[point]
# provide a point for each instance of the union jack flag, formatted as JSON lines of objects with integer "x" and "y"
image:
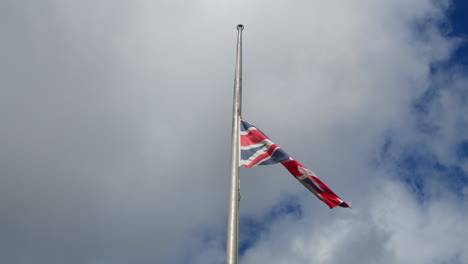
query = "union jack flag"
{"x": 257, "y": 149}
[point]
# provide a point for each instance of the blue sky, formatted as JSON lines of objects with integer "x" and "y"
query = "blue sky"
{"x": 458, "y": 22}
{"x": 413, "y": 162}
{"x": 115, "y": 130}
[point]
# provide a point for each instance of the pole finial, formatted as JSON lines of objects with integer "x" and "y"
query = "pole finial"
{"x": 240, "y": 27}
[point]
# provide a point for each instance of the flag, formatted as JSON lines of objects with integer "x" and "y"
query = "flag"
{"x": 257, "y": 149}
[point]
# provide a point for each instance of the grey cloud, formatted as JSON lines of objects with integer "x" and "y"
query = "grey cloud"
{"x": 115, "y": 119}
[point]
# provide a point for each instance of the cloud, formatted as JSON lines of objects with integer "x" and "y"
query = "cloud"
{"x": 116, "y": 127}
{"x": 394, "y": 228}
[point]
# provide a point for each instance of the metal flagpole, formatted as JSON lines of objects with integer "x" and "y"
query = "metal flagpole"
{"x": 232, "y": 242}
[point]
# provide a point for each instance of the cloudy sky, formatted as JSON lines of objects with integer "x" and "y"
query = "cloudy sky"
{"x": 116, "y": 116}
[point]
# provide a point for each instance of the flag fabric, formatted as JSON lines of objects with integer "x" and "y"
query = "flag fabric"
{"x": 257, "y": 149}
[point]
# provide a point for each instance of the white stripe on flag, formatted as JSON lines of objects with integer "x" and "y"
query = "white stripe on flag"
{"x": 247, "y": 131}
{"x": 265, "y": 142}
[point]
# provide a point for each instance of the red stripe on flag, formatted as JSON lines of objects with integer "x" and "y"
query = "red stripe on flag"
{"x": 252, "y": 138}
{"x": 324, "y": 193}
{"x": 263, "y": 156}
{"x": 293, "y": 167}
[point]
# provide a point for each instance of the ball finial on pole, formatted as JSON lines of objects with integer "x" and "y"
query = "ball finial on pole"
{"x": 240, "y": 27}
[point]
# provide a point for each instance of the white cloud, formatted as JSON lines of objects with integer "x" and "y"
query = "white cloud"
{"x": 392, "y": 228}
{"x": 116, "y": 122}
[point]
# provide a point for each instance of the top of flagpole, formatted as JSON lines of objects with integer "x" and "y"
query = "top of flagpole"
{"x": 238, "y": 73}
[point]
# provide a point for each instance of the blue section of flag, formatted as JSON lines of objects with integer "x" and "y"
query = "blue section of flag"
{"x": 245, "y": 125}
{"x": 247, "y": 153}
{"x": 278, "y": 156}
{"x": 257, "y": 148}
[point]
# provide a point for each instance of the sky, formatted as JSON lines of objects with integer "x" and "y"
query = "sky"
{"x": 115, "y": 122}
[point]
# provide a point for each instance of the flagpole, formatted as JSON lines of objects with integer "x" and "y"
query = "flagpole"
{"x": 232, "y": 242}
